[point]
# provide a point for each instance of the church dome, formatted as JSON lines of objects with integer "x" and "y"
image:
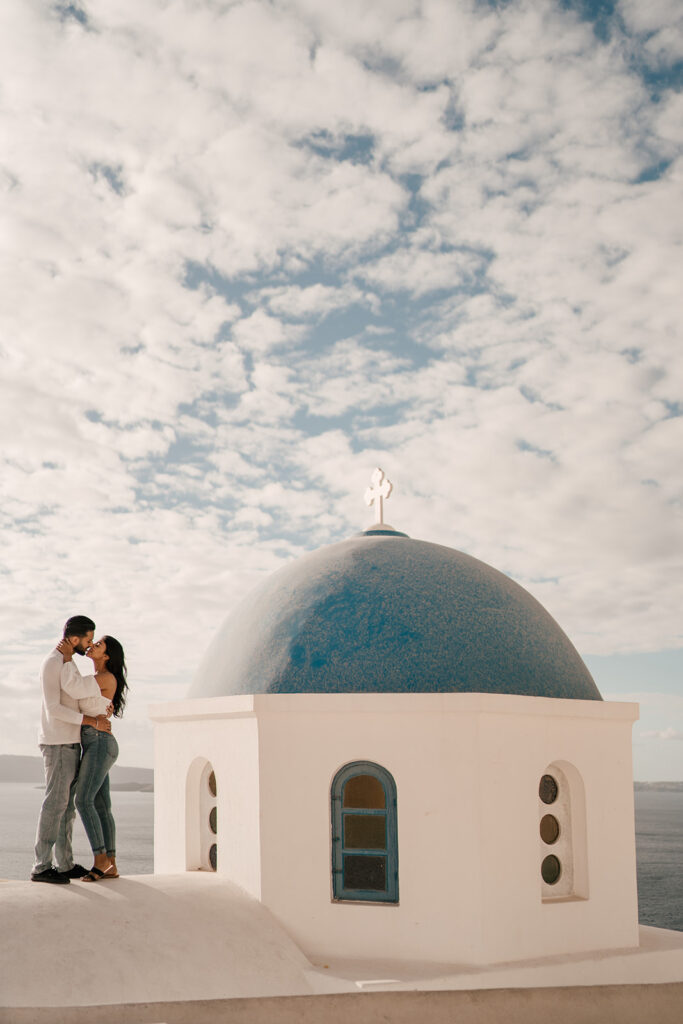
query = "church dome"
{"x": 383, "y": 613}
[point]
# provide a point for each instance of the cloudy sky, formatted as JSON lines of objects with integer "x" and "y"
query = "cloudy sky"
{"x": 252, "y": 249}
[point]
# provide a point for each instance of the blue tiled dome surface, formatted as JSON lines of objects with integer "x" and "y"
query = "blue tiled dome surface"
{"x": 388, "y": 614}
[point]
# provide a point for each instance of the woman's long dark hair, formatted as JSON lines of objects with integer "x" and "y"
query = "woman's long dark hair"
{"x": 116, "y": 664}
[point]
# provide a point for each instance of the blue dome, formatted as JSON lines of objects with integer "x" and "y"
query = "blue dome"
{"x": 382, "y": 613}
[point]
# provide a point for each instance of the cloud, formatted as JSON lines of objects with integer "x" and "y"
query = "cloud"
{"x": 252, "y": 250}
{"x": 419, "y": 272}
{"x": 662, "y": 734}
{"x": 315, "y": 301}
{"x": 259, "y": 333}
{"x": 660, "y": 25}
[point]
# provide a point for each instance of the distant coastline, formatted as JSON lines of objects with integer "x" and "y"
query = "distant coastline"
{"x": 121, "y": 787}
{"x": 22, "y": 768}
{"x": 668, "y": 787}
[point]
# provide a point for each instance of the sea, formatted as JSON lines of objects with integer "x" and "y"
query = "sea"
{"x": 659, "y": 843}
{"x": 20, "y": 804}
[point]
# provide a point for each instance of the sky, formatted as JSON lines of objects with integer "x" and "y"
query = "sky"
{"x": 251, "y": 250}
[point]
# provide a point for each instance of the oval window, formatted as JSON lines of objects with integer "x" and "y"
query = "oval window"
{"x": 549, "y": 828}
{"x": 551, "y": 870}
{"x": 547, "y": 789}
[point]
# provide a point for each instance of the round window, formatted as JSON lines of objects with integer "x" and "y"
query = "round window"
{"x": 213, "y": 820}
{"x": 212, "y": 783}
{"x": 547, "y": 789}
{"x": 550, "y": 829}
{"x": 551, "y": 869}
{"x": 213, "y": 857}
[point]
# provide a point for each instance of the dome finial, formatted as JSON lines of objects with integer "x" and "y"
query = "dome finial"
{"x": 375, "y": 495}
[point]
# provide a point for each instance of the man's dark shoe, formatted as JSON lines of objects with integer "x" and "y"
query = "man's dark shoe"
{"x": 50, "y": 875}
{"x": 77, "y": 871}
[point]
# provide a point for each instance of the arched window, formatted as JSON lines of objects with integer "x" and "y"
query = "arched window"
{"x": 201, "y": 824}
{"x": 562, "y": 833}
{"x": 364, "y": 834}
{"x": 210, "y": 818}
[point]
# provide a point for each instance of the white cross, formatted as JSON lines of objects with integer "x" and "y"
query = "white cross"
{"x": 375, "y": 495}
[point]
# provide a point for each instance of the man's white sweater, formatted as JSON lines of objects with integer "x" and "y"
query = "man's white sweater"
{"x": 60, "y": 719}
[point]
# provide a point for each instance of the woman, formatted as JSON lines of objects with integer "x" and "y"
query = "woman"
{"x": 100, "y": 750}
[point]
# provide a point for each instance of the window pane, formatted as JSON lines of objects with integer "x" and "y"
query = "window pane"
{"x": 212, "y": 783}
{"x": 365, "y": 872}
{"x": 547, "y": 789}
{"x": 213, "y": 820}
{"x": 365, "y": 831}
{"x": 213, "y": 857}
{"x": 364, "y": 791}
{"x": 551, "y": 870}
{"x": 550, "y": 828}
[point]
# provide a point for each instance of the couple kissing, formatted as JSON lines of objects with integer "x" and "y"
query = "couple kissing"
{"x": 78, "y": 750}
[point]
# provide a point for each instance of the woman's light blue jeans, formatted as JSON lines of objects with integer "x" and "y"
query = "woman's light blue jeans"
{"x": 100, "y": 751}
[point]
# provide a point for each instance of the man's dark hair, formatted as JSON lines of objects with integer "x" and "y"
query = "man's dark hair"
{"x": 78, "y": 625}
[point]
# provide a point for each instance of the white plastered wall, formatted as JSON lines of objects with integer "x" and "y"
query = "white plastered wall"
{"x": 592, "y": 740}
{"x": 467, "y": 768}
{"x": 303, "y": 745}
{"x": 188, "y": 735}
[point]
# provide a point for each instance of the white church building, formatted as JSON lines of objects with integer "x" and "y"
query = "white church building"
{"x": 398, "y": 752}
{"x": 392, "y": 772}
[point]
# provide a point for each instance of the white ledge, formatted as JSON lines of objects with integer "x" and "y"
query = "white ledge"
{"x": 248, "y": 705}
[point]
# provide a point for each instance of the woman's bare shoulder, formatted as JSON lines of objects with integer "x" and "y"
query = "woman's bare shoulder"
{"x": 107, "y": 683}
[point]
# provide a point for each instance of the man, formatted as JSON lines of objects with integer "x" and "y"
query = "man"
{"x": 60, "y": 745}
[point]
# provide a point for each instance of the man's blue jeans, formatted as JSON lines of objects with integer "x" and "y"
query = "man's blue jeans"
{"x": 56, "y": 820}
{"x": 100, "y": 750}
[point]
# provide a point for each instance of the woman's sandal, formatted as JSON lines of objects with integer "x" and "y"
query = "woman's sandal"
{"x": 95, "y": 875}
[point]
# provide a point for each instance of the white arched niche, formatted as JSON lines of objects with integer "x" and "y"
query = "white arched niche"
{"x": 201, "y": 825}
{"x": 563, "y": 862}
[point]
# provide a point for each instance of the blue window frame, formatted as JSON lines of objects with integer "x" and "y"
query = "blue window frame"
{"x": 364, "y": 834}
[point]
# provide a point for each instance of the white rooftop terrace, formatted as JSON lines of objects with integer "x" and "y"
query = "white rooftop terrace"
{"x": 195, "y": 937}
